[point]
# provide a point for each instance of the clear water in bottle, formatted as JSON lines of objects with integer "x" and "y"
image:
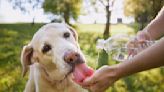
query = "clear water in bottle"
{"x": 118, "y": 47}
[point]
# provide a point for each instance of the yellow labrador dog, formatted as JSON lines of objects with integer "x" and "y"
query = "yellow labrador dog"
{"x": 55, "y": 60}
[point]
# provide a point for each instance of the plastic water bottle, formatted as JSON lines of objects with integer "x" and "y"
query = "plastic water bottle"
{"x": 118, "y": 47}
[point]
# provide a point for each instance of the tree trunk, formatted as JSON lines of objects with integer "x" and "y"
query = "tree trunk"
{"x": 33, "y": 21}
{"x": 106, "y": 31}
{"x": 67, "y": 14}
{"x": 103, "y": 58}
{"x": 66, "y": 17}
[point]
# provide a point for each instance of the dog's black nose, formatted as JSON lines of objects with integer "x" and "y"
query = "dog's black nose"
{"x": 73, "y": 57}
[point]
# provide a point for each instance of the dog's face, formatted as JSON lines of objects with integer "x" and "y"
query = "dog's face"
{"x": 48, "y": 49}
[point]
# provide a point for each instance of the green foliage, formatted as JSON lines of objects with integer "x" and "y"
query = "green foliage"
{"x": 143, "y": 10}
{"x": 14, "y": 36}
{"x": 12, "y": 39}
{"x": 103, "y": 59}
{"x": 67, "y": 8}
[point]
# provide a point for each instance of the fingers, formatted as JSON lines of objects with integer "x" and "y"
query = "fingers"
{"x": 95, "y": 88}
{"x": 141, "y": 37}
{"x": 137, "y": 45}
{"x": 99, "y": 87}
{"x": 89, "y": 84}
{"x": 88, "y": 81}
{"x": 86, "y": 87}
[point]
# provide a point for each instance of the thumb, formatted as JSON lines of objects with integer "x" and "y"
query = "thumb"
{"x": 142, "y": 36}
{"x": 88, "y": 81}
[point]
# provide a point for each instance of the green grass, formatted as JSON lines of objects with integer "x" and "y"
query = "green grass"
{"x": 14, "y": 36}
{"x": 12, "y": 39}
{"x": 99, "y": 28}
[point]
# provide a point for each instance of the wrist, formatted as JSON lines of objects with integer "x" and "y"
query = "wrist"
{"x": 118, "y": 71}
{"x": 114, "y": 71}
{"x": 121, "y": 70}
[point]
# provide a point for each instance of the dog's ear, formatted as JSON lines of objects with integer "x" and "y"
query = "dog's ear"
{"x": 73, "y": 31}
{"x": 26, "y": 55}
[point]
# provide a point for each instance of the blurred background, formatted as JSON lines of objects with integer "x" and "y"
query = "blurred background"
{"x": 93, "y": 19}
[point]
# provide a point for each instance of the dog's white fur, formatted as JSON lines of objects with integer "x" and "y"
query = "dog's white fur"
{"x": 48, "y": 71}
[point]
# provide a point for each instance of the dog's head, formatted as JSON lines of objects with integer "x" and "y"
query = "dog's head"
{"x": 55, "y": 47}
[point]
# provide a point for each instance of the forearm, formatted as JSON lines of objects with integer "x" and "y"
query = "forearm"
{"x": 155, "y": 28}
{"x": 151, "y": 57}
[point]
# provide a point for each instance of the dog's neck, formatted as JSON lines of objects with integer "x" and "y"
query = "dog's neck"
{"x": 63, "y": 85}
{"x": 46, "y": 76}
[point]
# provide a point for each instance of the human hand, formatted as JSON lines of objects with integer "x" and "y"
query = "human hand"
{"x": 140, "y": 42}
{"x": 140, "y": 38}
{"x": 143, "y": 35}
{"x": 101, "y": 79}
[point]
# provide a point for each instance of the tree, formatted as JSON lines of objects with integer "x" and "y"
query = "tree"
{"x": 108, "y": 5}
{"x": 67, "y": 8}
{"x": 27, "y": 6}
{"x": 143, "y": 10}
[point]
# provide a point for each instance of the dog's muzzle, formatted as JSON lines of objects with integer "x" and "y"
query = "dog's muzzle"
{"x": 73, "y": 58}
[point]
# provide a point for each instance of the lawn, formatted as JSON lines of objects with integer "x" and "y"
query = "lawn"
{"x": 14, "y": 36}
{"x": 99, "y": 28}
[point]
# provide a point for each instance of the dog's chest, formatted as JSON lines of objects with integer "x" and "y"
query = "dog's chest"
{"x": 46, "y": 88}
{"x": 66, "y": 86}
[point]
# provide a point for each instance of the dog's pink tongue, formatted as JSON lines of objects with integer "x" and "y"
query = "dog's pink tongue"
{"x": 81, "y": 72}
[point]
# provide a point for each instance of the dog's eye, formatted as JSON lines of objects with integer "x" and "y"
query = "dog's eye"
{"x": 46, "y": 48}
{"x": 66, "y": 35}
